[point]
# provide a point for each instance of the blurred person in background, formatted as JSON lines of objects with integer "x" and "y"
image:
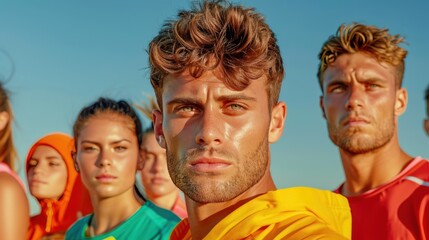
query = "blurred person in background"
{"x": 55, "y": 184}
{"x": 156, "y": 180}
{"x": 108, "y": 137}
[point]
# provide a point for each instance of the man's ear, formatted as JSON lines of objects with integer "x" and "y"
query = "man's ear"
{"x": 401, "y": 101}
{"x": 426, "y": 125}
{"x": 76, "y": 166}
{"x": 4, "y": 119}
{"x": 322, "y": 106}
{"x": 157, "y": 127}
{"x": 277, "y": 122}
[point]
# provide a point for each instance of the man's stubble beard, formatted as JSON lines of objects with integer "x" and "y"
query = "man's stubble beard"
{"x": 352, "y": 142}
{"x": 251, "y": 169}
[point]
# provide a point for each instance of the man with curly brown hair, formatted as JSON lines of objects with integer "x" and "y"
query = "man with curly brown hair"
{"x": 360, "y": 74}
{"x": 217, "y": 72}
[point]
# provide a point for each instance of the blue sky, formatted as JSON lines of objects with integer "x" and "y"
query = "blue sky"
{"x": 67, "y": 54}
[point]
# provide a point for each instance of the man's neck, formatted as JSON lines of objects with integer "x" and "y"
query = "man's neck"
{"x": 204, "y": 216}
{"x": 369, "y": 170}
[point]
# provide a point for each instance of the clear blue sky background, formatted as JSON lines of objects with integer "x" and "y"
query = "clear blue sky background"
{"x": 68, "y": 53}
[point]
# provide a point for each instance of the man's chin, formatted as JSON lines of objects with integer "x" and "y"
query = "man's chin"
{"x": 210, "y": 199}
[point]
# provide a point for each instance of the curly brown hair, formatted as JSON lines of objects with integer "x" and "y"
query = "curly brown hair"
{"x": 356, "y": 37}
{"x": 216, "y": 35}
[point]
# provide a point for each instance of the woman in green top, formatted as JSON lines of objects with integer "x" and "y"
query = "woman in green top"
{"x": 108, "y": 137}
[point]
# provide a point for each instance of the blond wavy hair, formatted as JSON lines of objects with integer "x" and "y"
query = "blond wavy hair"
{"x": 356, "y": 37}
{"x": 215, "y": 35}
{"x": 147, "y": 108}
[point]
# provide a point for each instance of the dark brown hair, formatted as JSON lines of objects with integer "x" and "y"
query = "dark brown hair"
{"x": 106, "y": 105}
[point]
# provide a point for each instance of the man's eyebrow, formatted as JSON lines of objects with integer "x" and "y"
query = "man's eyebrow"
{"x": 336, "y": 81}
{"x": 223, "y": 98}
{"x": 236, "y": 97}
{"x": 183, "y": 100}
{"x": 113, "y": 142}
{"x": 374, "y": 80}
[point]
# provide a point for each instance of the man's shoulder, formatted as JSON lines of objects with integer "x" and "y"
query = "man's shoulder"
{"x": 308, "y": 195}
{"x": 423, "y": 165}
{"x": 329, "y": 212}
{"x": 294, "y": 213}
{"x": 419, "y": 173}
{"x": 182, "y": 231}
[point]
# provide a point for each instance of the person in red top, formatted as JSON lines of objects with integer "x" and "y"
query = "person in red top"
{"x": 156, "y": 180}
{"x": 54, "y": 182}
{"x": 360, "y": 74}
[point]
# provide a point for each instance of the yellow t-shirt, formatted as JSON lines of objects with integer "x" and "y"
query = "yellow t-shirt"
{"x": 291, "y": 213}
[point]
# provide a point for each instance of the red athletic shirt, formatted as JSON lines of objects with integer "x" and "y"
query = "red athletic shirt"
{"x": 396, "y": 210}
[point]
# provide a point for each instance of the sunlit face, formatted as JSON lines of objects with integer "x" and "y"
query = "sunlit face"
{"x": 361, "y": 102}
{"x": 107, "y": 155}
{"x": 155, "y": 177}
{"x": 216, "y": 138}
{"x": 47, "y": 173}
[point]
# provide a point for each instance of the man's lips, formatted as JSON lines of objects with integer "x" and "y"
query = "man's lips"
{"x": 355, "y": 121}
{"x": 209, "y": 164}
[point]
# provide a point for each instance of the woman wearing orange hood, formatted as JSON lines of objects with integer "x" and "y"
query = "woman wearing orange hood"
{"x": 54, "y": 182}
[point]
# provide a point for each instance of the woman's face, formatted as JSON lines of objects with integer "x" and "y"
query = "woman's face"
{"x": 155, "y": 177}
{"x": 107, "y": 155}
{"x": 47, "y": 173}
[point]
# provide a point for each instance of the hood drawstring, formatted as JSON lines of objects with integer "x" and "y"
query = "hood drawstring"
{"x": 49, "y": 214}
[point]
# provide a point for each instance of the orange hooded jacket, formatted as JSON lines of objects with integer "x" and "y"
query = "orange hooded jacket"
{"x": 56, "y": 216}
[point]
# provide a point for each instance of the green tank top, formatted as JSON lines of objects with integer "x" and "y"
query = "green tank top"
{"x": 149, "y": 222}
